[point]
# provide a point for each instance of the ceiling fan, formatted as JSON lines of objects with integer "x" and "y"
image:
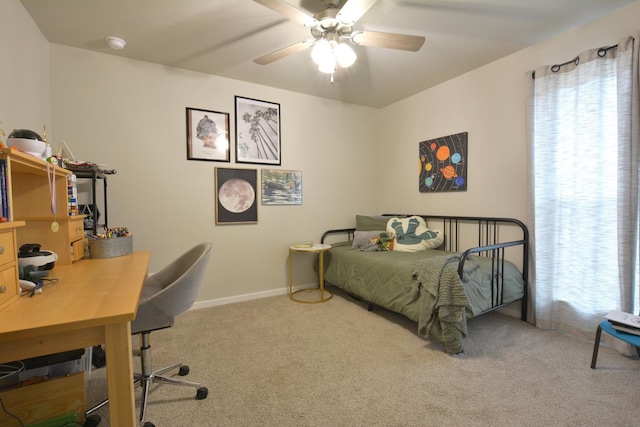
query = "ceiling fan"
{"x": 332, "y": 30}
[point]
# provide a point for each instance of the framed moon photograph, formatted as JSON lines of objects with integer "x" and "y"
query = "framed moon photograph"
{"x": 236, "y": 196}
{"x": 207, "y": 135}
{"x": 257, "y": 131}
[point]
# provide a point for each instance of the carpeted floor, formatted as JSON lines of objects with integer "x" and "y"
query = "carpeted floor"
{"x": 273, "y": 362}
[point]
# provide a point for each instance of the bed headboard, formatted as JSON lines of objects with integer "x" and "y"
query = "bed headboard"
{"x": 488, "y": 230}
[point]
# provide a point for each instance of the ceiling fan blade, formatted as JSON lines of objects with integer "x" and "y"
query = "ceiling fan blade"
{"x": 288, "y": 11}
{"x": 281, "y": 53}
{"x": 388, "y": 40}
{"x": 353, "y": 10}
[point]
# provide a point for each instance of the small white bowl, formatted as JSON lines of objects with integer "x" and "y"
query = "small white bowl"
{"x": 29, "y": 146}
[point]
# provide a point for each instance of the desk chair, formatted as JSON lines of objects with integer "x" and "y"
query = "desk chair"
{"x": 605, "y": 325}
{"x": 165, "y": 294}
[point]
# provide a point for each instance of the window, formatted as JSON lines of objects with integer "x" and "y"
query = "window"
{"x": 584, "y": 190}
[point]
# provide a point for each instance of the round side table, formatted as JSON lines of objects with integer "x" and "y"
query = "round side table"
{"x": 320, "y": 249}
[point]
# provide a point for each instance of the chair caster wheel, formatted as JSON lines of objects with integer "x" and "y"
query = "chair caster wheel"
{"x": 149, "y": 424}
{"x": 202, "y": 393}
{"x": 184, "y": 370}
{"x": 92, "y": 421}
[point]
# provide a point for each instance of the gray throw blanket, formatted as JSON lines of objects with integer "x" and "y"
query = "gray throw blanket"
{"x": 443, "y": 302}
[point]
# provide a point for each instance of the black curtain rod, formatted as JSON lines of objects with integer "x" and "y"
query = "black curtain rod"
{"x": 555, "y": 68}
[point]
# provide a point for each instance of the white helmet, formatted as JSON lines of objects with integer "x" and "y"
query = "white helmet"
{"x": 30, "y": 254}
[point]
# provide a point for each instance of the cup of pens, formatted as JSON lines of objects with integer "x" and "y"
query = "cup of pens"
{"x": 111, "y": 243}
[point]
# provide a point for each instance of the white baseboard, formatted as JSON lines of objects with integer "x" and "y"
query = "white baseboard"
{"x": 247, "y": 297}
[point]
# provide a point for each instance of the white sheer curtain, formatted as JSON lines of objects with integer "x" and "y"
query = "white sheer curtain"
{"x": 583, "y": 124}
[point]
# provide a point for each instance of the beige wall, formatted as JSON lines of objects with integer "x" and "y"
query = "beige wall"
{"x": 489, "y": 103}
{"x": 129, "y": 115}
{"x": 25, "y": 99}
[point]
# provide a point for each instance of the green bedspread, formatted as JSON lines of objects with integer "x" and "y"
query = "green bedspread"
{"x": 392, "y": 280}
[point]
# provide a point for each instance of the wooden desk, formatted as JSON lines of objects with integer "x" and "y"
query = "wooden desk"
{"x": 93, "y": 303}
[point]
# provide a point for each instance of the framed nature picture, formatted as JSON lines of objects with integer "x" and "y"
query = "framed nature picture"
{"x": 207, "y": 135}
{"x": 257, "y": 131}
{"x": 281, "y": 187}
{"x": 236, "y": 199}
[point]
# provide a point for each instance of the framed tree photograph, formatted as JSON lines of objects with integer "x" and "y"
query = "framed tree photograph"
{"x": 207, "y": 135}
{"x": 257, "y": 131}
{"x": 281, "y": 187}
{"x": 236, "y": 196}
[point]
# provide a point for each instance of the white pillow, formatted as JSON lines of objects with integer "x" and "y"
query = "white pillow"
{"x": 412, "y": 234}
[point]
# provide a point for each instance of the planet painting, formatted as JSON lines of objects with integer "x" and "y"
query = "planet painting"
{"x": 236, "y": 195}
{"x": 442, "y": 164}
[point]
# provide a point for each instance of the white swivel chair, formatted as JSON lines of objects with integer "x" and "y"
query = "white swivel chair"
{"x": 165, "y": 294}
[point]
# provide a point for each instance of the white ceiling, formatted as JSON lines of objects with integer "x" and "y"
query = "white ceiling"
{"x": 222, "y": 37}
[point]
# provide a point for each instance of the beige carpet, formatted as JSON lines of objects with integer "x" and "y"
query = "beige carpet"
{"x": 273, "y": 362}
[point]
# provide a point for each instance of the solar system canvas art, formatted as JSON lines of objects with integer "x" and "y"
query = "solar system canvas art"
{"x": 443, "y": 164}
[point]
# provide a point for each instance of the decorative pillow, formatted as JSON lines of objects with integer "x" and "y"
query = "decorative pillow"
{"x": 412, "y": 234}
{"x": 371, "y": 223}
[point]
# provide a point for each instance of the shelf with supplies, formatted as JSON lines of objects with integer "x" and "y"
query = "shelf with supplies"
{"x": 91, "y": 211}
{"x": 34, "y": 189}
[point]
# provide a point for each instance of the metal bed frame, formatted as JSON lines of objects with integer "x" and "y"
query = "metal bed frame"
{"x": 489, "y": 245}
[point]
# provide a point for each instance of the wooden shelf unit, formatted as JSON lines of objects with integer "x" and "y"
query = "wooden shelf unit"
{"x": 29, "y": 188}
{"x": 38, "y": 403}
{"x": 9, "y": 286}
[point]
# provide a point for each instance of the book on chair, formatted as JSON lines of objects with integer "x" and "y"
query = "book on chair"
{"x": 625, "y": 322}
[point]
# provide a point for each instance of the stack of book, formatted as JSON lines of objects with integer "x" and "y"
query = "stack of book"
{"x": 5, "y": 209}
{"x": 72, "y": 195}
{"x": 303, "y": 245}
{"x": 625, "y": 322}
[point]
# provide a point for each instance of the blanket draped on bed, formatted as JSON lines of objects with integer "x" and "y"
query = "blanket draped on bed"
{"x": 443, "y": 302}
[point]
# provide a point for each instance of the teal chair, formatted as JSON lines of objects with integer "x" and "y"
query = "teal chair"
{"x": 634, "y": 340}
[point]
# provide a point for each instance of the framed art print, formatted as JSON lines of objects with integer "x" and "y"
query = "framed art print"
{"x": 281, "y": 187}
{"x": 257, "y": 131}
{"x": 236, "y": 197}
{"x": 443, "y": 164}
{"x": 207, "y": 135}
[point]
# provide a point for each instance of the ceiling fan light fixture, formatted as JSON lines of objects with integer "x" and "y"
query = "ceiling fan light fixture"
{"x": 321, "y": 51}
{"x": 328, "y": 65}
{"x": 345, "y": 55}
{"x": 356, "y": 37}
{"x": 329, "y": 54}
{"x": 329, "y": 23}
